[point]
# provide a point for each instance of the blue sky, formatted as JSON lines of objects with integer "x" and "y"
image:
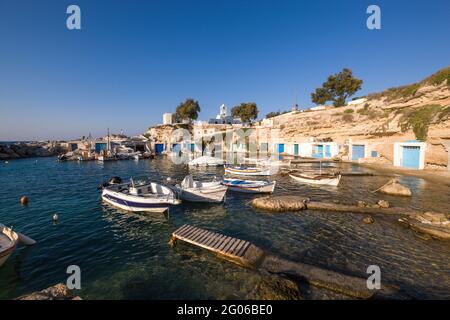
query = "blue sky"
{"x": 134, "y": 60}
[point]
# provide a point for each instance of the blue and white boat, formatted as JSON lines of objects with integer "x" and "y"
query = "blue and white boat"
{"x": 140, "y": 195}
{"x": 250, "y": 186}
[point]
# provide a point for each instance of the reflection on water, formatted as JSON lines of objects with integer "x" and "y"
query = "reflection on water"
{"x": 125, "y": 255}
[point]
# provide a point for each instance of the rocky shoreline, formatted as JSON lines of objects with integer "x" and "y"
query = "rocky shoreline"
{"x": 30, "y": 149}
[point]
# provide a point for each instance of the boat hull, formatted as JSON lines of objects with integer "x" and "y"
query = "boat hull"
{"x": 215, "y": 196}
{"x": 248, "y": 171}
{"x": 136, "y": 204}
{"x": 332, "y": 181}
{"x": 8, "y": 243}
{"x": 267, "y": 188}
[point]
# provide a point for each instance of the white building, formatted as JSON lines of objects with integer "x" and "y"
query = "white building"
{"x": 168, "y": 118}
{"x": 224, "y": 118}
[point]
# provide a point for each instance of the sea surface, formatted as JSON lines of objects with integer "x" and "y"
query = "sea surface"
{"x": 126, "y": 255}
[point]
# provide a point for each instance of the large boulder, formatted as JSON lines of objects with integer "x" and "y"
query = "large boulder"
{"x": 436, "y": 225}
{"x": 394, "y": 188}
{"x": 280, "y": 203}
{"x": 274, "y": 287}
{"x": 56, "y": 292}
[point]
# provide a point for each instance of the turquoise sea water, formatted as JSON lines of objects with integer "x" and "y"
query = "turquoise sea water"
{"x": 126, "y": 256}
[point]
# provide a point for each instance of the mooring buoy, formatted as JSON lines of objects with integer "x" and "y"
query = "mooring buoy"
{"x": 24, "y": 200}
{"x": 55, "y": 217}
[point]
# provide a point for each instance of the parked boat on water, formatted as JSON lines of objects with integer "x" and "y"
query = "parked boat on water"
{"x": 140, "y": 195}
{"x": 8, "y": 243}
{"x": 330, "y": 179}
{"x": 206, "y": 161}
{"x": 250, "y": 186}
{"x": 200, "y": 191}
{"x": 266, "y": 162}
{"x": 9, "y": 240}
{"x": 248, "y": 171}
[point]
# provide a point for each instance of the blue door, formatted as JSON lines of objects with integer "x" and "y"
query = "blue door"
{"x": 73, "y": 146}
{"x": 411, "y": 157}
{"x": 357, "y": 152}
{"x": 192, "y": 147}
{"x": 319, "y": 151}
{"x": 99, "y": 147}
{"x": 159, "y": 148}
{"x": 327, "y": 151}
{"x": 296, "y": 149}
{"x": 280, "y": 147}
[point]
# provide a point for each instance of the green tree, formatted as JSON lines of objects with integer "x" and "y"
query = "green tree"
{"x": 188, "y": 110}
{"x": 337, "y": 88}
{"x": 247, "y": 111}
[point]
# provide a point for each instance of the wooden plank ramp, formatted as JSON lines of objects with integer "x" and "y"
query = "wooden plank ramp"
{"x": 239, "y": 251}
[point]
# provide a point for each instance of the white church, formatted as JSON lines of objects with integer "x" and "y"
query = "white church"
{"x": 224, "y": 118}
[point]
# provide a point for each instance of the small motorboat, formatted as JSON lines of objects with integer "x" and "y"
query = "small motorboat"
{"x": 329, "y": 179}
{"x": 248, "y": 171}
{"x": 8, "y": 243}
{"x": 140, "y": 195}
{"x": 250, "y": 186}
{"x": 206, "y": 161}
{"x": 200, "y": 191}
{"x": 9, "y": 240}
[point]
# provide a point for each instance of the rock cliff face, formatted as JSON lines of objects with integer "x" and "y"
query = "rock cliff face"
{"x": 27, "y": 150}
{"x": 419, "y": 111}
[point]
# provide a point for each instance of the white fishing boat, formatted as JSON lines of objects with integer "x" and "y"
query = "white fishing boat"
{"x": 248, "y": 171}
{"x": 140, "y": 195}
{"x": 206, "y": 161}
{"x": 9, "y": 241}
{"x": 329, "y": 179}
{"x": 200, "y": 191}
{"x": 250, "y": 186}
{"x": 266, "y": 162}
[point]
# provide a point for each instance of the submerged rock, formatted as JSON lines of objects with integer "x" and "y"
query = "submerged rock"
{"x": 361, "y": 204}
{"x": 275, "y": 287}
{"x": 368, "y": 220}
{"x": 56, "y": 292}
{"x": 280, "y": 203}
{"x": 393, "y": 187}
{"x": 383, "y": 204}
{"x": 436, "y": 225}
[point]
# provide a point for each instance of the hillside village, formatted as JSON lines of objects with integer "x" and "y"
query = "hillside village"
{"x": 408, "y": 126}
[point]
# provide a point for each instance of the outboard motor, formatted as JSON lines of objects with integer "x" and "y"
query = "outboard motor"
{"x": 113, "y": 180}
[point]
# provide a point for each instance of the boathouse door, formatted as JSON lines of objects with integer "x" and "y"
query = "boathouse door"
{"x": 280, "y": 147}
{"x": 296, "y": 149}
{"x": 358, "y": 151}
{"x": 319, "y": 151}
{"x": 159, "y": 148}
{"x": 327, "y": 151}
{"x": 411, "y": 157}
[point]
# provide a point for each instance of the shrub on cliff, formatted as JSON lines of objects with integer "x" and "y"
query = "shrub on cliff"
{"x": 419, "y": 120}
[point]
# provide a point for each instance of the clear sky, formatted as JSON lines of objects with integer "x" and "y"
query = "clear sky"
{"x": 134, "y": 60}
